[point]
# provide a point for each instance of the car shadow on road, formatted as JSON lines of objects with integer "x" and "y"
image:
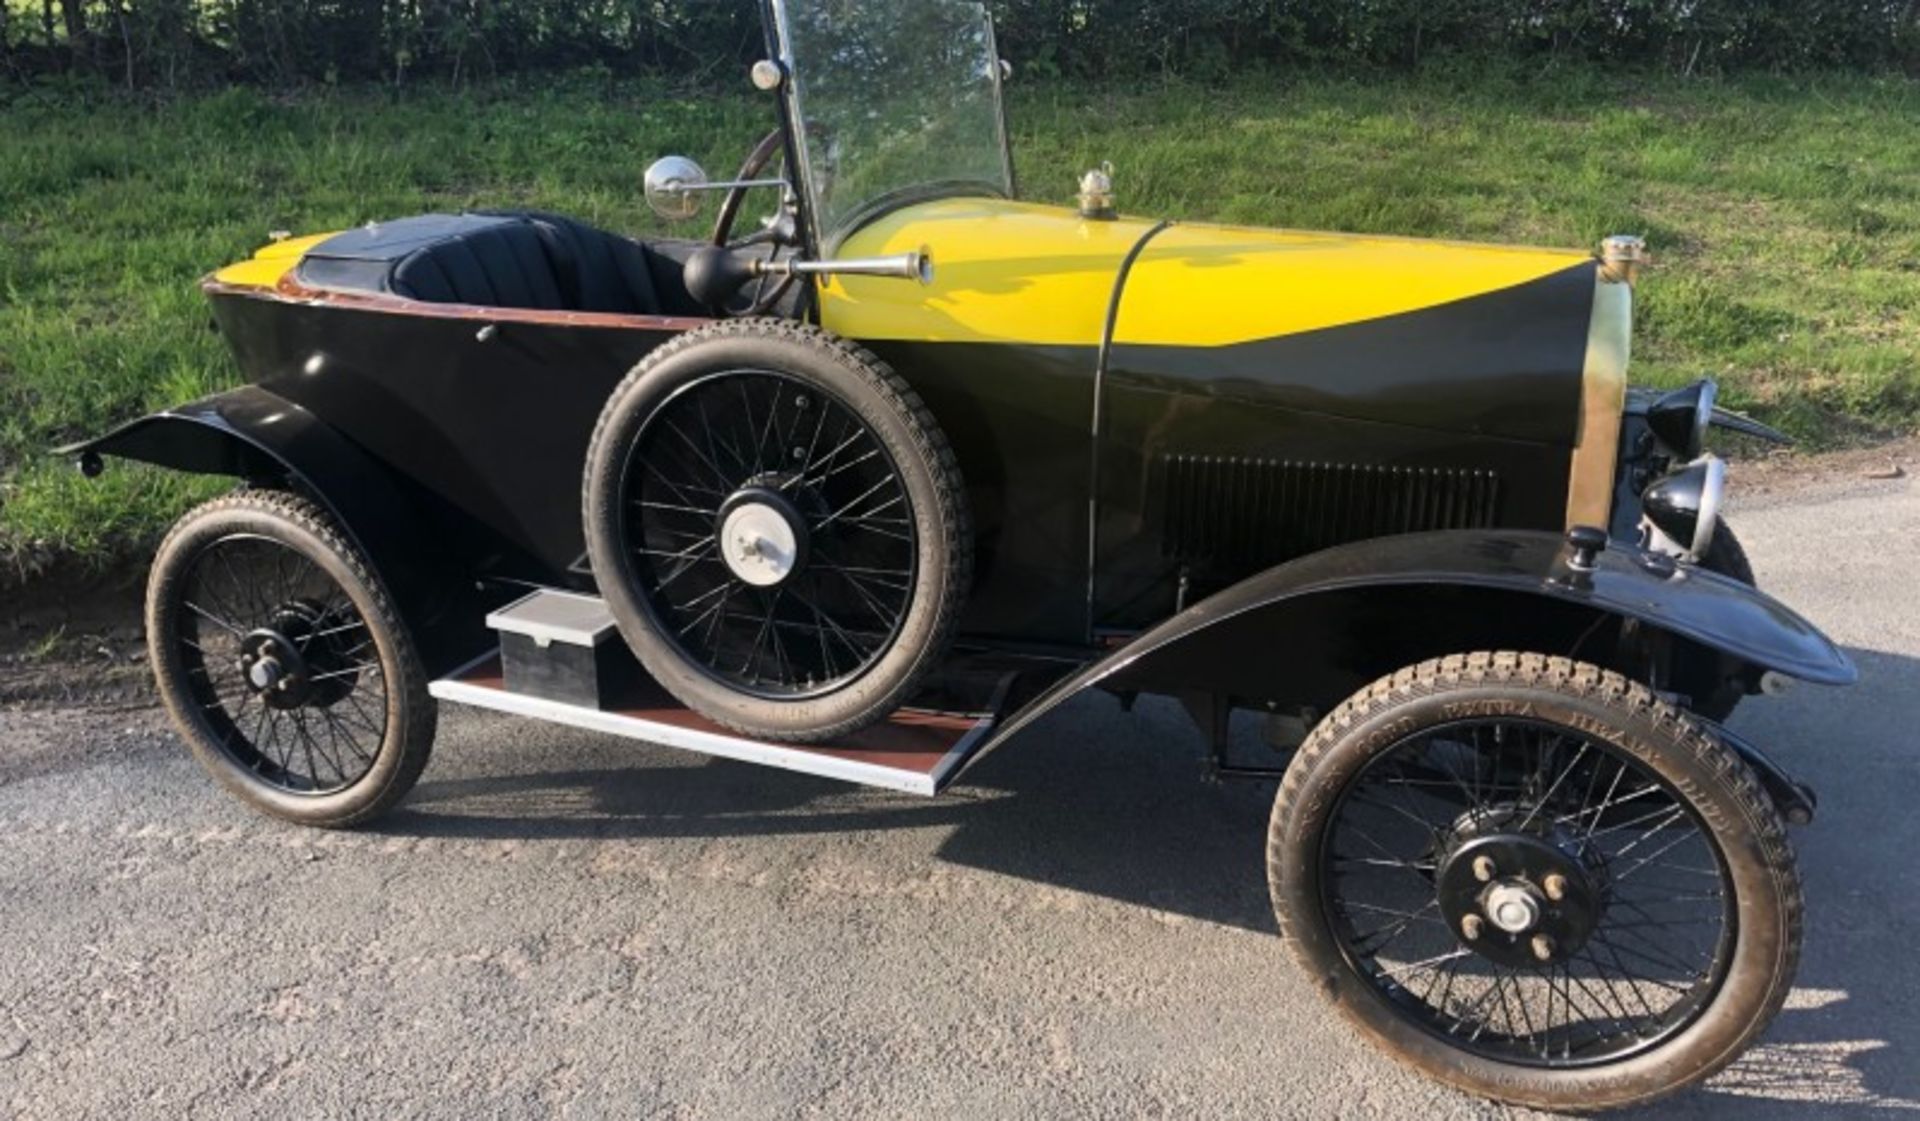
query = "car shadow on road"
{"x": 1096, "y": 802}
{"x": 1090, "y": 800}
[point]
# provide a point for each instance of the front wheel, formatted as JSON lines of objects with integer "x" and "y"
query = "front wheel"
{"x": 1535, "y": 880}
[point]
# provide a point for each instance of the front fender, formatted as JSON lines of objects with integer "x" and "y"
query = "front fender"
{"x": 253, "y": 434}
{"x": 1311, "y": 632}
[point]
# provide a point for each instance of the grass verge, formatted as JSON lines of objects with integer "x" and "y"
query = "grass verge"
{"x": 1786, "y": 217}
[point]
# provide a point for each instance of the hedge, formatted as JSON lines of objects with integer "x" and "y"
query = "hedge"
{"x": 175, "y": 43}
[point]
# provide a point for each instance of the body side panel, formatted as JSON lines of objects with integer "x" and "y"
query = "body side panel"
{"x": 490, "y": 417}
{"x": 494, "y": 431}
{"x": 1221, "y": 461}
{"x": 1279, "y": 352}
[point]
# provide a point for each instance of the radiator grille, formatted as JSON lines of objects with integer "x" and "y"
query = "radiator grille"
{"x": 1249, "y": 513}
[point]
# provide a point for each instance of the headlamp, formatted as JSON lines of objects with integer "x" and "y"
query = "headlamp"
{"x": 1682, "y": 510}
{"x": 1680, "y": 419}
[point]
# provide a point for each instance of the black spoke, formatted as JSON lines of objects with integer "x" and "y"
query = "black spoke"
{"x": 224, "y": 624}
{"x": 776, "y": 446}
{"x": 247, "y": 599}
{"x": 1626, "y": 962}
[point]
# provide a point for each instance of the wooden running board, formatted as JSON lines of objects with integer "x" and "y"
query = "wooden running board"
{"x": 915, "y": 751}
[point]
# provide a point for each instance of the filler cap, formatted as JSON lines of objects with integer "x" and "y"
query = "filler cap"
{"x": 1096, "y": 194}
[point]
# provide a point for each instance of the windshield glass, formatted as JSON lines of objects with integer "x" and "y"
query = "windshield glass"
{"x": 900, "y": 99}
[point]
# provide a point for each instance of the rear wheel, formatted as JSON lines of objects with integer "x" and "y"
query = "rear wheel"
{"x": 779, "y": 528}
{"x": 1535, "y": 880}
{"x": 284, "y": 665}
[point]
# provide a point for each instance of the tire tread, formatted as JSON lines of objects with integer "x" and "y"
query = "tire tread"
{"x": 1578, "y": 679}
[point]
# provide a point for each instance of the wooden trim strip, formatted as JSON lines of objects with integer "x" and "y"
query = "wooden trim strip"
{"x": 288, "y": 291}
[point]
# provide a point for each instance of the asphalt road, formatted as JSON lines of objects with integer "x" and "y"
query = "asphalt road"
{"x": 563, "y": 924}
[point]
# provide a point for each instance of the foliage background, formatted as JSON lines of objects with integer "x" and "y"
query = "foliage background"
{"x": 175, "y": 43}
{"x": 1768, "y": 149}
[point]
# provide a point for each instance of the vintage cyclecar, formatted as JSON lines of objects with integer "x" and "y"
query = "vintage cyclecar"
{"x": 867, "y": 488}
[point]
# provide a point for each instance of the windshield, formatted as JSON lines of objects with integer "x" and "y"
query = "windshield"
{"x": 899, "y": 99}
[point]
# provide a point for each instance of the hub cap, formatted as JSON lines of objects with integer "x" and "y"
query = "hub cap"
{"x": 273, "y": 665}
{"x": 1495, "y": 877}
{"x": 761, "y": 537}
{"x": 1512, "y": 907}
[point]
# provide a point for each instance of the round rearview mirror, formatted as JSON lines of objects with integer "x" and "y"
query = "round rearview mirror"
{"x": 673, "y": 187}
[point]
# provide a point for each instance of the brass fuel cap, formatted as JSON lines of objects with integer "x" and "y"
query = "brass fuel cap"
{"x": 1623, "y": 258}
{"x": 1096, "y": 194}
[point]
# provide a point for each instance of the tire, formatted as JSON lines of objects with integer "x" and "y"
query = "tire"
{"x": 1365, "y": 743}
{"x": 1716, "y": 684}
{"x": 867, "y": 581}
{"x": 346, "y": 732}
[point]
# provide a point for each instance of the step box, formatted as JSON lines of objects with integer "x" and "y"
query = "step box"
{"x": 556, "y": 663}
{"x": 560, "y": 646}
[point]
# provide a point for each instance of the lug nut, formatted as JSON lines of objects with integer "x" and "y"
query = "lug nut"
{"x": 1543, "y": 947}
{"x": 1483, "y": 869}
{"x": 1555, "y": 885}
{"x": 1470, "y": 927}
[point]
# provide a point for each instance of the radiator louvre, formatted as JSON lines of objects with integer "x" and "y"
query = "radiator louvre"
{"x": 1251, "y": 513}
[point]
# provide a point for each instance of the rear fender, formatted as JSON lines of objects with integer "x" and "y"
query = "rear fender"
{"x": 257, "y": 436}
{"x": 1308, "y": 634}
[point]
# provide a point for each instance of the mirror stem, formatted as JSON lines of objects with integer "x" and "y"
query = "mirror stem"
{"x": 677, "y": 187}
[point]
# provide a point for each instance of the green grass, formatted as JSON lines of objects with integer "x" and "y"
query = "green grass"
{"x": 1786, "y": 218}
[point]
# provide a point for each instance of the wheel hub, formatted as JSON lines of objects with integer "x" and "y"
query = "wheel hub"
{"x": 292, "y": 663}
{"x": 762, "y": 536}
{"x": 272, "y": 663}
{"x": 1516, "y": 895}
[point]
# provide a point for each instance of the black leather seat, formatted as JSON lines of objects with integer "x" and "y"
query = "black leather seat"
{"x": 509, "y": 260}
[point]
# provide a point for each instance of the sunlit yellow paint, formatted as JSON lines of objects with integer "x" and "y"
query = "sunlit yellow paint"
{"x": 265, "y": 268}
{"x": 1016, "y": 272}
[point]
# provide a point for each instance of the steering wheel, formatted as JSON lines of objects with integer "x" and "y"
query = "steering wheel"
{"x": 768, "y": 290}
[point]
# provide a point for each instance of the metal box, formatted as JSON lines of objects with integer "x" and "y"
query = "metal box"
{"x": 564, "y": 647}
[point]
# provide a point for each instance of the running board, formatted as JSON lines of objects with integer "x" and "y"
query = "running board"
{"x": 916, "y": 751}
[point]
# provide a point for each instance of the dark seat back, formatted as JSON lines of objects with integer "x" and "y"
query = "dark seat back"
{"x": 505, "y": 265}
{"x": 539, "y": 261}
{"x": 599, "y": 271}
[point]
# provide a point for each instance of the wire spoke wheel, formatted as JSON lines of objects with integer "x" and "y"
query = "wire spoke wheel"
{"x": 771, "y": 532}
{"x": 1531, "y": 894}
{"x": 778, "y": 527}
{"x": 1536, "y": 880}
{"x": 281, "y": 665}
